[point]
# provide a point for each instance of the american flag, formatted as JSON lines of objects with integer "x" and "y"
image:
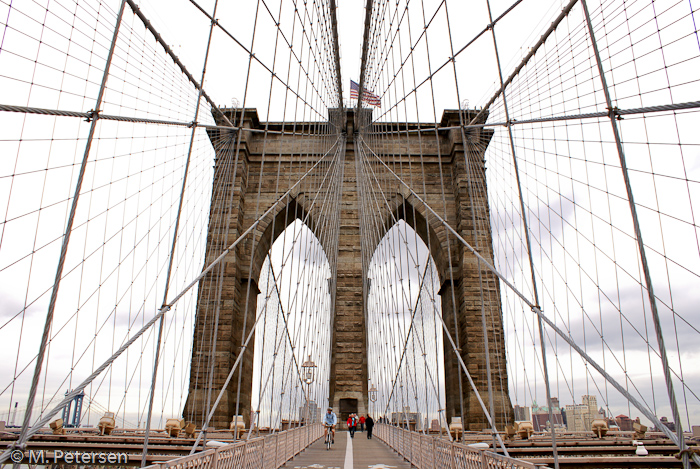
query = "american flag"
{"x": 367, "y": 97}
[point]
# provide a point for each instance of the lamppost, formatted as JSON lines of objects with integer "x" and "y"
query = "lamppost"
{"x": 308, "y": 374}
{"x": 373, "y": 393}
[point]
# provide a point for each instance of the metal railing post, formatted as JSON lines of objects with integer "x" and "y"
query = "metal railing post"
{"x": 262, "y": 454}
{"x": 277, "y": 445}
{"x": 245, "y": 454}
{"x": 215, "y": 458}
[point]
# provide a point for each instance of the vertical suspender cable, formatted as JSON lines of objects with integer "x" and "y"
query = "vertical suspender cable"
{"x": 363, "y": 66}
{"x": 640, "y": 242}
{"x": 527, "y": 239}
{"x": 66, "y": 237}
{"x": 242, "y": 348}
{"x": 536, "y": 310}
{"x": 172, "y": 247}
{"x": 336, "y": 57}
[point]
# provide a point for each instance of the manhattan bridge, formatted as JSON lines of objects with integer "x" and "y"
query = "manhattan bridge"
{"x": 222, "y": 218}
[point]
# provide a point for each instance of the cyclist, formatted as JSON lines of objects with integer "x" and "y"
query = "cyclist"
{"x": 330, "y": 420}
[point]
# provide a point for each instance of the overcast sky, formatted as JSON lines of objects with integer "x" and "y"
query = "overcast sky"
{"x": 585, "y": 255}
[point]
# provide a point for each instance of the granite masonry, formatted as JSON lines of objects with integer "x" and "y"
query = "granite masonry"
{"x": 241, "y": 198}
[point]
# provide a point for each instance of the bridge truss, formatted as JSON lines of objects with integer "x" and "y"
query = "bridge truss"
{"x": 116, "y": 175}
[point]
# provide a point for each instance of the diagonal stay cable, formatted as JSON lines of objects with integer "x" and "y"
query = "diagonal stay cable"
{"x": 164, "y": 309}
{"x": 254, "y": 57}
{"x": 408, "y": 335}
{"x": 452, "y": 230}
{"x": 564, "y": 13}
{"x": 535, "y": 309}
{"x": 169, "y": 51}
{"x": 252, "y": 330}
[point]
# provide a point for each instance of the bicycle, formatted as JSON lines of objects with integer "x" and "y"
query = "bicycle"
{"x": 329, "y": 437}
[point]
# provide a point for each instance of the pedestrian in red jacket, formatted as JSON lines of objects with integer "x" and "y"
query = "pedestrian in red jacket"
{"x": 352, "y": 424}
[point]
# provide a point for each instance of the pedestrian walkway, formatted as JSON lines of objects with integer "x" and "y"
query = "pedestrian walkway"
{"x": 348, "y": 453}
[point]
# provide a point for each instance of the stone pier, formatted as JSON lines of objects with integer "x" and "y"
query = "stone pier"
{"x": 447, "y": 187}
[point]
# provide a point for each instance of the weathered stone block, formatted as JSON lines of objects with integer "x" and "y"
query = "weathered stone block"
{"x": 449, "y": 183}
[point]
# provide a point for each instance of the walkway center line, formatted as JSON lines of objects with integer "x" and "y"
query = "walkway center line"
{"x": 348, "y": 454}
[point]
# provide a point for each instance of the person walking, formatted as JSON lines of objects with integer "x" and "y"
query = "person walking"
{"x": 352, "y": 425}
{"x": 362, "y": 423}
{"x": 370, "y": 425}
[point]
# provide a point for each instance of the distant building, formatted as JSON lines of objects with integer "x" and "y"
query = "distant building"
{"x": 610, "y": 420}
{"x": 522, "y": 414}
{"x": 670, "y": 425}
{"x": 574, "y": 417}
{"x": 625, "y": 423}
{"x": 413, "y": 419}
{"x": 540, "y": 416}
{"x": 593, "y": 413}
{"x": 580, "y": 416}
{"x": 314, "y": 414}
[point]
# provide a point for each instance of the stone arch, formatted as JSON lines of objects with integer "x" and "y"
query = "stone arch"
{"x": 272, "y": 226}
{"x": 238, "y": 308}
{"x": 456, "y": 265}
{"x": 405, "y": 206}
{"x": 270, "y": 399}
{"x": 419, "y": 304}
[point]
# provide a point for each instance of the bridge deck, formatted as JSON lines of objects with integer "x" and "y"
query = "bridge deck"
{"x": 347, "y": 453}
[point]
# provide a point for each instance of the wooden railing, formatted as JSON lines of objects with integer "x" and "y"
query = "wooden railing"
{"x": 430, "y": 452}
{"x": 265, "y": 452}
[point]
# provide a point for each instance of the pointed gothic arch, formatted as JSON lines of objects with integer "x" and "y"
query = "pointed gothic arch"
{"x": 294, "y": 290}
{"x": 414, "y": 277}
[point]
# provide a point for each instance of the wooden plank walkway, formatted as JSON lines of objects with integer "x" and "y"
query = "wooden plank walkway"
{"x": 347, "y": 453}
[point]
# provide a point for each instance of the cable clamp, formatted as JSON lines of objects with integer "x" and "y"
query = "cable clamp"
{"x": 192, "y": 124}
{"x": 93, "y": 114}
{"x": 690, "y": 451}
{"x": 614, "y": 113}
{"x": 15, "y": 446}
